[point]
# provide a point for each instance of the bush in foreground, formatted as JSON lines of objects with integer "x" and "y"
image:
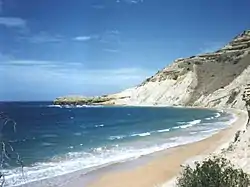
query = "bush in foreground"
{"x": 213, "y": 172}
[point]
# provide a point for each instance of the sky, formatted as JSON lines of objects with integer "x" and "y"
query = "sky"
{"x": 51, "y": 48}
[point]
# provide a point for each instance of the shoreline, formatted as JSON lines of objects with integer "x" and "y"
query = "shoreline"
{"x": 118, "y": 174}
{"x": 162, "y": 169}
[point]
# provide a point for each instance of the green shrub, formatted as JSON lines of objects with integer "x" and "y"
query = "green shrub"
{"x": 213, "y": 172}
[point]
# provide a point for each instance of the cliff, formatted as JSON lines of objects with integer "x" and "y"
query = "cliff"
{"x": 209, "y": 80}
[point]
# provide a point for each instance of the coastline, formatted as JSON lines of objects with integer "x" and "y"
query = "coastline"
{"x": 149, "y": 170}
{"x": 162, "y": 169}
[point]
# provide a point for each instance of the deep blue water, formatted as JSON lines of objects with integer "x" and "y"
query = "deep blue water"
{"x": 52, "y": 140}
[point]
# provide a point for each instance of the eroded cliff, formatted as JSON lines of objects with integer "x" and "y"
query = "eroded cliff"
{"x": 208, "y": 80}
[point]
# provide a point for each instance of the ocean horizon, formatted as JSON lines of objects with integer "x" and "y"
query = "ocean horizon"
{"x": 54, "y": 140}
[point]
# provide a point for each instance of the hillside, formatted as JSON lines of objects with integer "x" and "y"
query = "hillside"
{"x": 209, "y": 80}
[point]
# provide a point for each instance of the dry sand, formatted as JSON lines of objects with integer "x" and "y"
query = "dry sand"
{"x": 156, "y": 172}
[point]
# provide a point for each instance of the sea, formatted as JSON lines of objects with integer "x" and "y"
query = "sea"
{"x": 52, "y": 140}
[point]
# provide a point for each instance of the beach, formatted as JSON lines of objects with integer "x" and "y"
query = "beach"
{"x": 156, "y": 169}
{"x": 164, "y": 165}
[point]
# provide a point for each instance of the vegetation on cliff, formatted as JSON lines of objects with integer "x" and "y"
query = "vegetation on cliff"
{"x": 213, "y": 172}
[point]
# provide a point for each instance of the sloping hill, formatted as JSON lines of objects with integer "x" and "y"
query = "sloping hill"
{"x": 213, "y": 79}
{"x": 210, "y": 80}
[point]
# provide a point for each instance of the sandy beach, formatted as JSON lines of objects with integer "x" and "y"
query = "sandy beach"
{"x": 162, "y": 169}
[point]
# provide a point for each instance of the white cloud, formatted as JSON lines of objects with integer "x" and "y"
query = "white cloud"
{"x": 13, "y": 22}
{"x": 130, "y": 1}
{"x": 48, "y": 79}
{"x": 111, "y": 50}
{"x": 84, "y": 38}
{"x": 44, "y": 37}
{"x": 109, "y": 36}
{"x": 76, "y": 71}
{"x": 26, "y": 63}
{"x": 41, "y": 64}
{"x": 118, "y": 77}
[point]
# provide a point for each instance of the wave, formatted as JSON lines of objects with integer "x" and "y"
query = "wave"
{"x": 82, "y": 106}
{"x": 99, "y": 157}
{"x": 142, "y": 134}
{"x": 72, "y": 106}
{"x": 188, "y": 124}
{"x": 193, "y": 132}
{"x": 101, "y": 125}
{"x": 137, "y": 134}
{"x": 102, "y": 156}
{"x": 53, "y": 106}
{"x": 210, "y": 118}
{"x": 116, "y": 137}
{"x": 217, "y": 115}
{"x": 86, "y": 161}
{"x": 210, "y": 130}
{"x": 164, "y": 130}
{"x": 49, "y": 136}
{"x": 48, "y": 144}
{"x": 182, "y": 122}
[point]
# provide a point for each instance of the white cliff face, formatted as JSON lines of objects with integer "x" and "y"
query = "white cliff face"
{"x": 209, "y": 80}
{"x": 159, "y": 93}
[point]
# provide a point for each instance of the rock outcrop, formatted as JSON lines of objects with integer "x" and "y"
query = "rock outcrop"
{"x": 81, "y": 100}
{"x": 207, "y": 80}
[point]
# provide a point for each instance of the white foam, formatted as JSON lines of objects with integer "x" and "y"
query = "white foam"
{"x": 80, "y": 106}
{"x": 77, "y": 161}
{"x": 188, "y": 124}
{"x": 209, "y": 118}
{"x": 88, "y": 106}
{"x": 194, "y": 122}
{"x": 164, "y": 130}
{"x": 54, "y": 106}
{"x": 193, "y": 132}
{"x": 116, "y": 137}
{"x": 142, "y": 134}
{"x": 173, "y": 138}
{"x": 182, "y": 122}
{"x": 210, "y": 130}
{"x": 217, "y": 115}
{"x": 101, "y": 125}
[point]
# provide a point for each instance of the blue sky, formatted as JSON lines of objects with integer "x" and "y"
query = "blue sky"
{"x": 50, "y": 48}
